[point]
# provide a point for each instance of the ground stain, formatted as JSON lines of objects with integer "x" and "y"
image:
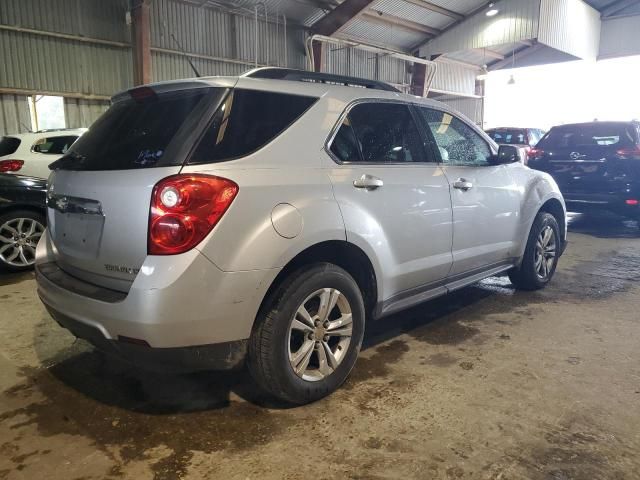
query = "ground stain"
{"x": 440, "y": 360}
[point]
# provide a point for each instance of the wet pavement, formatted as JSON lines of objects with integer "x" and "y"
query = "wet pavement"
{"x": 487, "y": 383}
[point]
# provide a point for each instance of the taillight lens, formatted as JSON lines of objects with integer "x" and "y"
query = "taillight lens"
{"x": 632, "y": 152}
{"x": 11, "y": 165}
{"x": 184, "y": 209}
{"x": 535, "y": 153}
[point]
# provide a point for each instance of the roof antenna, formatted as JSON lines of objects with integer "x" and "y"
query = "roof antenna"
{"x": 195, "y": 70}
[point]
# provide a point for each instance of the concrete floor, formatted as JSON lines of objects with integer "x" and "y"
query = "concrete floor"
{"x": 487, "y": 383}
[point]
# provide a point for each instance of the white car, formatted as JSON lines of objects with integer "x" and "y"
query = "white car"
{"x": 31, "y": 153}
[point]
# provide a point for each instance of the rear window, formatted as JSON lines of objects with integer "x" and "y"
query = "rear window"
{"x": 140, "y": 133}
{"x": 247, "y": 121}
{"x": 603, "y": 135}
{"x": 510, "y": 137}
{"x": 8, "y": 145}
{"x": 54, "y": 145}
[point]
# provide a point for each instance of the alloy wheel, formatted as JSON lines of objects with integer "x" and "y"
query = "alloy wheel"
{"x": 320, "y": 334}
{"x": 18, "y": 240}
{"x": 545, "y": 252}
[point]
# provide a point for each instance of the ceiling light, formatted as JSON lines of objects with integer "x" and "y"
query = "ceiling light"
{"x": 492, "y": 11}
{"x": 512, "y": 81}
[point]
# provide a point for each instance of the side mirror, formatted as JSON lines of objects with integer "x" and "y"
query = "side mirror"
{"x": 507, "y": 154}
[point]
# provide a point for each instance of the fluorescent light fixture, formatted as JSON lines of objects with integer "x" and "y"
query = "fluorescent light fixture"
{"x": 493, "y": 11}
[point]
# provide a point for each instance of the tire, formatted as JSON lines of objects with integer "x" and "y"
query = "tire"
{"x": 277, "y": 343}
{"x": 20, "y": 231}
{"x": 530, "y": 275}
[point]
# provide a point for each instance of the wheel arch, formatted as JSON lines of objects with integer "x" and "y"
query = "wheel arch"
{"x": 344, "y": 254}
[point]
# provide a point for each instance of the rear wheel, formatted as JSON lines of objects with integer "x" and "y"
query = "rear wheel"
{"x": 308, "y": 336}
{"x": 540, "y": 256}
{"x": 20, "y": 232}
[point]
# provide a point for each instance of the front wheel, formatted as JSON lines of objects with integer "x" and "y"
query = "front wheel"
{"x": 540, "y": 256}
{"x": 307, "y": 338}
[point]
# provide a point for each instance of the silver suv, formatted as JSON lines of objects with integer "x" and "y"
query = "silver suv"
{"x": 265, "y": 217}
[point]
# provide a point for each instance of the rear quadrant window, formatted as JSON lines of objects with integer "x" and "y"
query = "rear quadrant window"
{"x": 246, "y": 121}
{"x": 8, "y": 145}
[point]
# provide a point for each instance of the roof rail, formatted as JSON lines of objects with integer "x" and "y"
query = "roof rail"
{"x": 276, "y": 73}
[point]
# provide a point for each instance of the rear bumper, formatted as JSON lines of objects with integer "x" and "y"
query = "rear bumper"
{"x": 586, "y": 203}
{"x": 178, "y": 308}
{"x": 219, "y": 356}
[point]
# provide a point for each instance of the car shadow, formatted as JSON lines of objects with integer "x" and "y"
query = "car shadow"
{"x": 603, "y": 225}
{"x": 111, "y": 381}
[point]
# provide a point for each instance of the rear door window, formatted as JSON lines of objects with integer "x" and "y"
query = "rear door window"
{"x": 379, "y": 133}
{"x": 9, "y": 145}
{"x": 141, "y": 133}
{"x": 54, "y": 145}
{"x": 246, "y": 122}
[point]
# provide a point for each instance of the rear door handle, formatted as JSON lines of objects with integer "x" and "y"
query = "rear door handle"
{"x": 462, "y": 184}
{"x": 368, "y": 182}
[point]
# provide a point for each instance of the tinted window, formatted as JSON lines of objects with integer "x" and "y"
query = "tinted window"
{"x": 8, "y": 145}
{"x": 602, "y": 134}
{"x": 248, "y": 120}
{"x": 510, "y": 137}
{"x": 137, "y": 134}
{"x": 385, "y": 133}
{"x": 54, "y": 145}
{"x": 457, "y": 142}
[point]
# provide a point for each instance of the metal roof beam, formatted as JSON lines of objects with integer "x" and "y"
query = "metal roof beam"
{"x": 490, "y": 53}
{"x": 386, "y": 19}
{"x": 337, "y": 18}
{"x": 617, "y": 6}
{"x": 435, "y": 8}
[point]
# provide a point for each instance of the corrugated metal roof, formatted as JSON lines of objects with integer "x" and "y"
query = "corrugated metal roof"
{"x": 460, "y": 6}
{"x": 412, "y": 12}
{"x": 300, "y": 12}
{"x": 377, "y": 34}
{"x": 602, "y": 4}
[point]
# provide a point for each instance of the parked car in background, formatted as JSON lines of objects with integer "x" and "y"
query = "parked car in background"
{"x": 522, "y": 137}
{"x": 31, "y": 153}
{"x": 596, "y": 165}
{"x": 267, "y": 216}
{"x": 22, "y": 219}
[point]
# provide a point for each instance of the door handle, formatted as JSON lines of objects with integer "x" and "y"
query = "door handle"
{"x": 368, "y": 182}
{"x": 462, "y": 184}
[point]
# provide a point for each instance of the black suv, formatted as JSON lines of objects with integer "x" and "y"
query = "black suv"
{"x": 596, "y": 165}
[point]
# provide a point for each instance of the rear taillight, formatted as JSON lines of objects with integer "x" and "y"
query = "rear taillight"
{"x": 184, "y": 209}
{"x": 629, "y": 152}
{"x": 535, "y": 153}
{"x": 11, "y": 165}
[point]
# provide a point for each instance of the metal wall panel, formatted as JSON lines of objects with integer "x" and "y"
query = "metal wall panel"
{"x": 620, "y": 37}
{"x": 14, "y": 114}
{"x": 364, "y": 64}
{"x": 80, "y": 113}
{"x": 103, "y": 19}
{"x": 469, "y": 107}
{"x": 379, "y": 34}
{"x": 223, "y": 43}
{"x": 570, "y": 26}
{"x": 517, "y": 20}
{"x": 454, "y": 79}
{"x": 46, "y": 64}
